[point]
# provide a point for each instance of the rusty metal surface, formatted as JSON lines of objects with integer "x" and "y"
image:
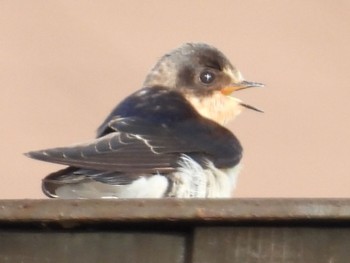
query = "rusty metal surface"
{"x": 175, "y": 210}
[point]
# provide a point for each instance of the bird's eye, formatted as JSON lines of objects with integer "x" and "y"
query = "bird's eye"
{"x": 207, "y": 77}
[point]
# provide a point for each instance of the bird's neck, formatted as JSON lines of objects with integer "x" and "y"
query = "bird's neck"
{"x": 217, "y": 107}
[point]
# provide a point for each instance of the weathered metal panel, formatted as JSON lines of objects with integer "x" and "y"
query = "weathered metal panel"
{"x": 271, "y": 245}
{"x": 91, "y": 247}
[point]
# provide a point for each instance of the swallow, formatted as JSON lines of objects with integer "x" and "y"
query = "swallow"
{"x": 165, "y": 140}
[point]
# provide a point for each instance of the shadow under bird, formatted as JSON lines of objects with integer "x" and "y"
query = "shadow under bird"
{"x": 165, "y": 140}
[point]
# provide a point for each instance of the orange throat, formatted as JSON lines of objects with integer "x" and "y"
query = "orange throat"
{"x": 217, "y": 107}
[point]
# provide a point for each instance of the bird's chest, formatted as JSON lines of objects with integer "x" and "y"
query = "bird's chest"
{"x": 217, "y": 107}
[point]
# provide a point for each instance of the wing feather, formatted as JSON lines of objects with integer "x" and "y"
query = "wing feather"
{"x": 130, "y": 149}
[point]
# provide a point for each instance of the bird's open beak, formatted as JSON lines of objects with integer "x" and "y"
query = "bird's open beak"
{"x": 228, "y": 90}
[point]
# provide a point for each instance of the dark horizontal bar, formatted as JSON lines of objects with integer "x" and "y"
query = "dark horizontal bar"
{"x": 174, "y": 210}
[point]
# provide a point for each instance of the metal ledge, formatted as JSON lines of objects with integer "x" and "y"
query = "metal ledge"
{"x": 175, "y": 210}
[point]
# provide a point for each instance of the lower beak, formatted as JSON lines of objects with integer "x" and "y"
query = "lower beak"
{"x": 228, "y": 90}
{"x": 250, "y": 107}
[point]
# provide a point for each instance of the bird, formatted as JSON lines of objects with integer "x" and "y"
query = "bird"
{"x": 165, "y": 140}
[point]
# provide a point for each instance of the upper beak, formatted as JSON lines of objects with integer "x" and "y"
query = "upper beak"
{"x": 249, "y": 84}
{"x": 228, "y": 90}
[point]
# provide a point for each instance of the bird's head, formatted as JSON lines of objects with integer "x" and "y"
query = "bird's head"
{"x": 202, "y": 73}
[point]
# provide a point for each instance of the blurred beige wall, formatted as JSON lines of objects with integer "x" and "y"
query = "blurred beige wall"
{"x": 65, "y": 64}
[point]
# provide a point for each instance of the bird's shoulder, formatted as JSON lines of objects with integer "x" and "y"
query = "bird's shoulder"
{"x": 157, "y": 105}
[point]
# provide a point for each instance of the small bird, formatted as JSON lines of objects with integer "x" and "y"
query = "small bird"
{"x": 165, "y": 140}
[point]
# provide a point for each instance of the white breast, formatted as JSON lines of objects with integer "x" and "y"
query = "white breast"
{"x": 193, "y": 181}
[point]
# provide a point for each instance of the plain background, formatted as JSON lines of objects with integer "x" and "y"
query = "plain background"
{"x": 65, "y": 64}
